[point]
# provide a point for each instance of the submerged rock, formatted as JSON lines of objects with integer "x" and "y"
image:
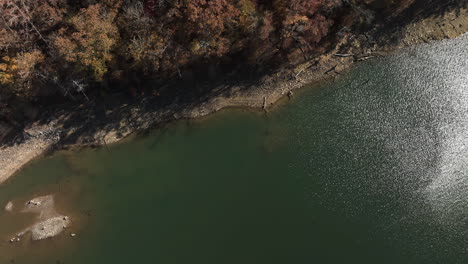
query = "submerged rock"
{"x": 49, "y": 228}
{"x": 9, "y": 206}
{"x": 49, "y": 223}
{"x": 43, "y": 205}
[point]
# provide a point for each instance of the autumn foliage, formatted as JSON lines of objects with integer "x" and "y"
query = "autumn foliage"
{"x": 89, "y": 40}
{"x": 20, "y": 70}
{"x": 65, "y": 46}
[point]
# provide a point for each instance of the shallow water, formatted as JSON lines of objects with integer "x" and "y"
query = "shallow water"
{"x": 369, "y": 169}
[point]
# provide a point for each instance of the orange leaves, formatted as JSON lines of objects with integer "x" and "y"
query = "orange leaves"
{"x": 26, "y": 62}
{"x": 66, "y": 47}
{"x": 161, "y": 37}
{"x": 19, "y": 71}
{"x": 248, "y": 15}
{"x": 197, "y": 30}
{"x": 306, "y": 7}
{"x": 266, "y": 27}
{"x": 6, "y": 77}
{"x": 92, "y": 41}
{"x": 209, "y": 26}
{"x": 47, "y": 14}
{"x": 146, "y": 52}
{"x": 211, "y": 17}
{"x": 303, "y": 21}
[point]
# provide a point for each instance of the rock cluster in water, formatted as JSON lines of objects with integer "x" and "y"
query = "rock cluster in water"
{"x": 49, "y": 223}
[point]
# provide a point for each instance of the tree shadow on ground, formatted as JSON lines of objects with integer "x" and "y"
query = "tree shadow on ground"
{"x": 419, "y": 10}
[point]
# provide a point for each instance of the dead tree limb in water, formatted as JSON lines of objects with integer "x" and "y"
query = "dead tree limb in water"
{"x": 365, "y": 58}
{"x": 332, "y": 69}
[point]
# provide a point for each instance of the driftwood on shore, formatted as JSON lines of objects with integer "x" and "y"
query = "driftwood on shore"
{"x": 343, "y": 55}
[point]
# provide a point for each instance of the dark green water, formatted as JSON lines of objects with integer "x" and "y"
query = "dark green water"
{"x": 369, "y": 169}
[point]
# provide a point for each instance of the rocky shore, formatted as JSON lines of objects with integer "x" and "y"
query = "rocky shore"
{"x": 90, "y": 127}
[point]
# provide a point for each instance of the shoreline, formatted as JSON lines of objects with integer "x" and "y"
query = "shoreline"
{"x": 62, "y": 131}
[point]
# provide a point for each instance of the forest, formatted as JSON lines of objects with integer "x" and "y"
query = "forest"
{"x": 60, "y": 51}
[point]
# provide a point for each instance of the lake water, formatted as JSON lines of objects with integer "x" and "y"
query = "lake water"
{"x": 372, "y": 168}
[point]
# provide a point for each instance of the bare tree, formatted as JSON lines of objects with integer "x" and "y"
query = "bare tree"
{"x": 16, "y": 14}
{"x": 80, "y": 87}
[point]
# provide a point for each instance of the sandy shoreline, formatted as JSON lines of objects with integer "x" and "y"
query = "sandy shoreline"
{"x": 13, "y": 158}
{"x": 119, "y": 124}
